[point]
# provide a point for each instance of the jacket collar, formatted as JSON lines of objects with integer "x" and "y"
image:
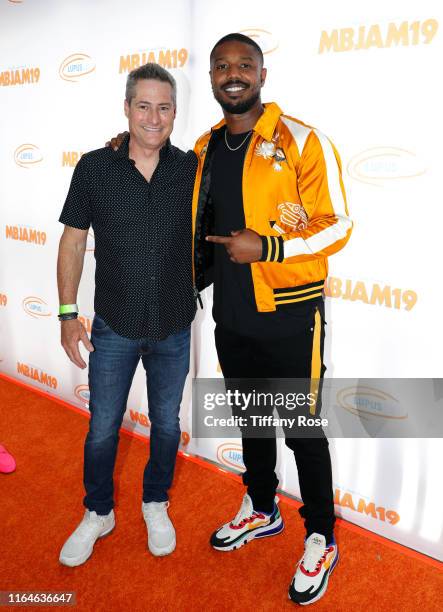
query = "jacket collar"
{"x": 266, "y": 123}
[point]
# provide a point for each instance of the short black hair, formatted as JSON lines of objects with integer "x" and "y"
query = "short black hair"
{"x": 239, "y": 38}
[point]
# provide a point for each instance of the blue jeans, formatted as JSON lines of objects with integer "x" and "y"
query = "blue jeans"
{"x": 111, "y": 369}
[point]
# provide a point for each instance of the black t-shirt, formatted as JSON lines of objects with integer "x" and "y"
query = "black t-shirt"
{"x": 234, "y": 301}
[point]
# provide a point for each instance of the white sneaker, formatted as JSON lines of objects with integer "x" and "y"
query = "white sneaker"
{"x": 161, "y": 532}
{"x": 80, "y": 544}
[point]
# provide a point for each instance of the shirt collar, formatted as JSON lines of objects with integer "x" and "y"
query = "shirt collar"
{"x": 266, "y": 124}
{"x": 123, "y": 150}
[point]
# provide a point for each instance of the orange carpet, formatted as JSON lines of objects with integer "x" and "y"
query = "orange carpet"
{"x": 40, "y": 504}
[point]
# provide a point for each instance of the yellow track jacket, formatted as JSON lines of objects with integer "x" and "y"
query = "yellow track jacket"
{"x": 293, "y": 196}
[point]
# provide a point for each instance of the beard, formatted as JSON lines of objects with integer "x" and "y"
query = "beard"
{"x": 237, "y": 108}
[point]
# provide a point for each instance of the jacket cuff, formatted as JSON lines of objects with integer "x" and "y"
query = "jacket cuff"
{"x": 272, "y": 249}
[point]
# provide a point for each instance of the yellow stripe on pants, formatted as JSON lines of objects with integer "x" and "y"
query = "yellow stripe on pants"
{"x": 316, "y": 360}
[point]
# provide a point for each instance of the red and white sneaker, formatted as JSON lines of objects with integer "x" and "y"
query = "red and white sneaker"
{"x": 313, "y": 570}
{"x": 247, "y": 525}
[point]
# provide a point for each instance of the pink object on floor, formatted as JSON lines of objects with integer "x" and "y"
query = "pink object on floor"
{"x": 7, "y": 461}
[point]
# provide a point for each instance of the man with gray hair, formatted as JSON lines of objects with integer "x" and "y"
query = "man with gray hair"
{"x": 138, "y": 201}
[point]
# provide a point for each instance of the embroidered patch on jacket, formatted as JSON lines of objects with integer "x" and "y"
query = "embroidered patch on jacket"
{"x": 265, "y": 149}
{"x": 268, "y": 149}
{"x": 292, "y": 215}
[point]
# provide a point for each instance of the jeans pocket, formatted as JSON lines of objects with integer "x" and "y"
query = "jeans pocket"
{"x": 98, "y": 324}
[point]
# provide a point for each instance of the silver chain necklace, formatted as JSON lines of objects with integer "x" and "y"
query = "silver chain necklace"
{"x": 240, "y": 145}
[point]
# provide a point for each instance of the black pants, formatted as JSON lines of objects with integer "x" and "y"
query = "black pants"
{"x": 291, "y": 357}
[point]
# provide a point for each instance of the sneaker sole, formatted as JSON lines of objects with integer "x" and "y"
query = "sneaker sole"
{"x": 322, "y": 592}
{"x": 259, "y": 533}
{"x": 75, "y": 561}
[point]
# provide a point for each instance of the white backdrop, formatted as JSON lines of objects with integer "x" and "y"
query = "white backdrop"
{"x": 366, "y": 74}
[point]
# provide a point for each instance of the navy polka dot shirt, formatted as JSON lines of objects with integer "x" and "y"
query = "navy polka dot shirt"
{"x": 143, "y": 233}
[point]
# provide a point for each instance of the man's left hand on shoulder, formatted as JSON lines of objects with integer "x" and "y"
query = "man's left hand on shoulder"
{"x": 243, "y": 246}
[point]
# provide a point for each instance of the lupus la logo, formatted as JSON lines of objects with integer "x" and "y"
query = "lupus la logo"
{"x": 36, "y": 307}
{"x": 27, "y": 155}
{"x": 265, "y": 39}
{"x": 81, "y": 393}
{"x": 3, "y": 299}
{"x": 348, "y": 500}
{"x": 368, "y": 403}
{"x": 185, "y": 438}
{"x": 378, "y": 165}
{"x": 231, "y": 455}
{"x": 76, "y": 66}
